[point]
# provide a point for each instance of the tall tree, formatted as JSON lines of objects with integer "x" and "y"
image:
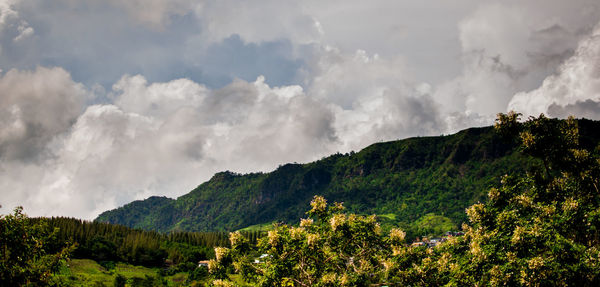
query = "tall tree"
{"x": 23, "y": 256}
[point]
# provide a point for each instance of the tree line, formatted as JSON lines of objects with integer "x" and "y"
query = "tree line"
{"x": 33, "y": 249}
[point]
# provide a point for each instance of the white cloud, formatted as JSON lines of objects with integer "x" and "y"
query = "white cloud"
{"x": 167, "y": 138}
{"x": 158, "y": 99}
{"x": 373, "y": 98}
{"x": 11, "y": 22}
{"x": 257, "y": 21}
{"x": 509, "y": 48}
{"x": 35, "y": 107}
{"x": 342, "y": 78}
{"x": 7, "y": 11}
{"x": 577, "y": 80}
{"x": 347, "y": 74}
{"x": 24, "y": 32}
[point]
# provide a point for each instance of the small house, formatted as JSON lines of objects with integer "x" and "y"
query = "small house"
{"x": 203, "y": 263}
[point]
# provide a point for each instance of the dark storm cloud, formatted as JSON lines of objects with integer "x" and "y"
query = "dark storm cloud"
{"x": 36, "y": 107}
{"x": 588, "y": 109}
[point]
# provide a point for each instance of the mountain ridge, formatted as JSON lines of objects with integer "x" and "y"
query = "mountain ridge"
{"x": 409, "y": 178}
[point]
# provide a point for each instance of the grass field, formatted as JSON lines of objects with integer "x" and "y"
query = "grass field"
{"x": 258, "y": 227}
{"x": 86, "y": 272}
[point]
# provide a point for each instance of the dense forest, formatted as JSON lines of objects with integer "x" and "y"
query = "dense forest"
{"x": 108, "y": 242}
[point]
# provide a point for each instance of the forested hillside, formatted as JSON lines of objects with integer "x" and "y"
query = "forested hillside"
{"x": 539, "y": 228}
{"x": 405, "y": 182}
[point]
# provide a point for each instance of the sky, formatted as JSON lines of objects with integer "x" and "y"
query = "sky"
{"x": 103, "y": 102}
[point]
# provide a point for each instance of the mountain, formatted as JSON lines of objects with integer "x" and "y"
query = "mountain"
{"x": 415, "y": 183}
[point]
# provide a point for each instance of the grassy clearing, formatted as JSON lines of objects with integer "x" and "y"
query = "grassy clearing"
{"x": 258, "y": 227}
{"x": 86, "y": 272}
{"x": 389, "y": 216}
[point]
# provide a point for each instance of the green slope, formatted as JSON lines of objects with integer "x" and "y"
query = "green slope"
{"x": 405, "y": 180}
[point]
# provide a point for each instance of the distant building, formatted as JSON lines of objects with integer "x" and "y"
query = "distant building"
{"x": 435, "y": 241}
{"x": 203, "y": 263}
{"x": 261, "y": 258}
{"x": 418, "y": 243}
{"x": 454, "y": 233}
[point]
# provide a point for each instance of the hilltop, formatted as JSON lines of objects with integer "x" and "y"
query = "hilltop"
{"x": 422, "y": 184}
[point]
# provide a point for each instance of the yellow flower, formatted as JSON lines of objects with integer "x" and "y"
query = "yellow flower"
{"x": 494, "y": 194}
{"x": 318, "y": 204}
{"x": 524, "y": 200}
{"x": 306, "y": 222}
{"x": 475, "y": 212}
{"x": 476, "y": 250}
{"x": 238, "y": 266}
{"x": 398, "y": 250}
{"x": 352, "y": 218}
{"x": 388, "y": 265}
{"x": 273, "y": 236}
{"x": 212, "y": 266}
{"x": 312, "y": 239}
{"x": 517, "y": 235}
{"x": 498, "y": 277}
{"x": 220, "y": 253}
{"x": 329, "y": 278}
{"x": 377, "y": 228}
{"x": 345, "y": 280}
{"x": 444, "y": 261}
{"x": 296, "y": 232}
{"x": 570, "y": 204}
{"x": 536, "y": 263}
{"x": 397, "y": 235}
{"x": 236, "y": 238}
{"x": 337, "y": 220}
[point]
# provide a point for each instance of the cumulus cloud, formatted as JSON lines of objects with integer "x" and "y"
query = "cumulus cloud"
{"x": 11, "y": 24}
{"x": 159, "y": 95}
{"x": 160, "y": 138}
{"x": 133, "y": 94}
{"x": 508, "y": 48}
{"x": 35, "y": 107}
{"x": 373, "y": 98}
{"x": 24, "y": 32}
{"x": 344, "y": 77}
{"x": 576, "y": 84}
{"x": 7, "y": 11}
